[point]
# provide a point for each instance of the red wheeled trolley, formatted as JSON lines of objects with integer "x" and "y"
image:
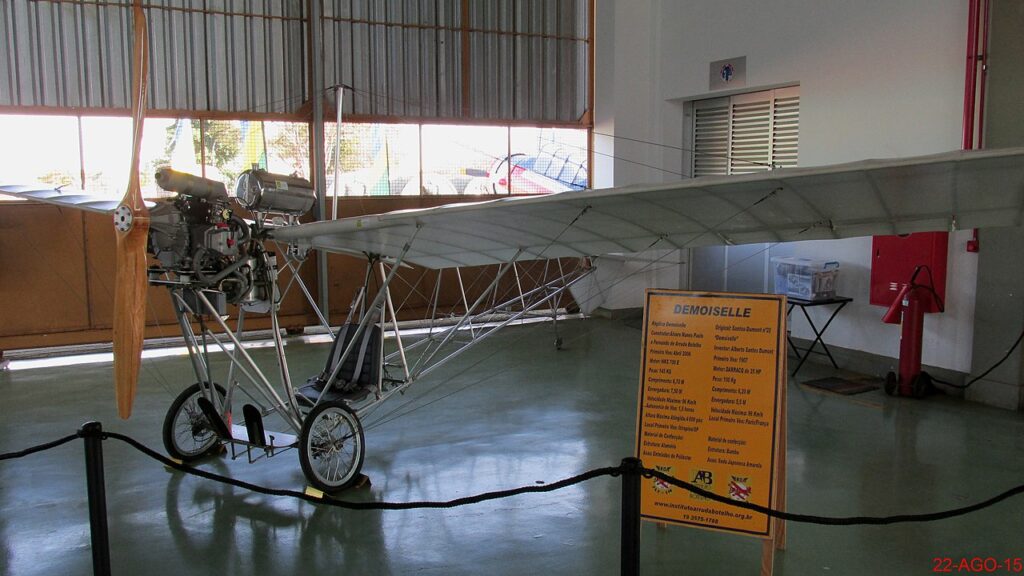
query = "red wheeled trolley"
{"x": 908, "y": 310}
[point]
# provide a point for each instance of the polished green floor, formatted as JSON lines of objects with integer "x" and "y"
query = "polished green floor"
{"x": 513, "y": 412}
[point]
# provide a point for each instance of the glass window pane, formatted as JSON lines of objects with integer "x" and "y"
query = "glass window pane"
{"x": 288, "y": 148}
{"x": 233, "y": 146}
{"x": 40, "y": 149}
{"x": 464, "y": 159}
{"x": 555, "y": 160}
{"x": 107, "y": 149}
{"x": 376, "y": 159}
{"x": 166, "y": 142}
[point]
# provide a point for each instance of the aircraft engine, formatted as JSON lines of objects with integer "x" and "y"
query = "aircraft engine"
{"x": 197, "y": 236}
{"x": 267, "y": 193}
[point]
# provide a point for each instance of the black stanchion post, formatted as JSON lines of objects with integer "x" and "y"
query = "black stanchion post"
{"x": 92, "y": 433}
{"x": 631, "y": 516}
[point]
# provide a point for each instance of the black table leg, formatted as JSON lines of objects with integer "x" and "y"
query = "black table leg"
{"x": 817, "y": 337}
{"x": 789, "y": 338}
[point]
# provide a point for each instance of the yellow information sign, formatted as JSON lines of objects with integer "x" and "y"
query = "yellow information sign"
{"x": 711, "y": 393}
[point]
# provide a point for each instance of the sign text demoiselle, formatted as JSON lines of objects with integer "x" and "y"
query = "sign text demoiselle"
{"x": 720, "y": 311}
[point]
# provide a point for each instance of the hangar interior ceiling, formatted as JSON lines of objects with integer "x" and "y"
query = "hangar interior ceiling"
{"x": 523, "y": 60}
{"x": 523, "y": 66}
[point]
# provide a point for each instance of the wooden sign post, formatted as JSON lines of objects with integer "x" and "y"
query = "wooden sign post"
{"x": 712, "y": 410}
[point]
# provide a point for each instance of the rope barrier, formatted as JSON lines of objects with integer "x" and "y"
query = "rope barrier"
{"x": 608, "y": 471}
{"x": 39, "y": 448}
{"x": 832, "y": 520}
{"x": 550, "y": 487}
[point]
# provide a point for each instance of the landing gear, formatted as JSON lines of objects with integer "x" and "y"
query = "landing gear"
{"x": 331, "y": 446}
{"x": 188, "y": 434}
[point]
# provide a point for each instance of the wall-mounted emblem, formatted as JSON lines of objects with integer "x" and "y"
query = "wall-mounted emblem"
{"x": 728, "y": 73}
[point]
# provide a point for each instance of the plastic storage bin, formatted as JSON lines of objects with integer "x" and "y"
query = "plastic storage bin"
{"x": 805, "y": 278}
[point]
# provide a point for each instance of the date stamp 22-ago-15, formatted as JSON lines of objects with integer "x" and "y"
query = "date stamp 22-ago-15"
{"x": 978, "y": 565}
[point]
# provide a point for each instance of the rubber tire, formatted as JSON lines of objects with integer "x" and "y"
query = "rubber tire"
{"x": 921, "y": 384}
{"x": 170, "y": 445}
{"x": 306, "y": 449}
{"x": 891, "y": 384}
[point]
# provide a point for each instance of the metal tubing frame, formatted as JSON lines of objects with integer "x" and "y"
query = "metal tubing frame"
{"x": 427, "y": 369}
{"x": 199, "y": 361}
{"x": 462, "y": 290}
{"x": 519, "y": 285}
{"x": 282, "y": 359}
{"x": 275, "y": 304}
{"x": 493, "y": 310}
{"x": 365, "y": 320}
{"x": 233, "y": 355}
{"x": 189, "y": 335}
{"x": 437, "y": 298}
{"x": 288, "y": 409}
{"x": 469, "y": 312}
{"x": 294, "y": 266}
{"x": 271, "y": 400}
{"x": 394, "y": 325}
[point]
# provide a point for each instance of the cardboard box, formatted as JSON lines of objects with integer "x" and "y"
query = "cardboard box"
{"x": 805, "y": 278}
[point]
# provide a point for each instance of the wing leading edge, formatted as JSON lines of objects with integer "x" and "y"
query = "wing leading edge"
{"x": 66, "y": 197}
{"x": 964, "y": 189}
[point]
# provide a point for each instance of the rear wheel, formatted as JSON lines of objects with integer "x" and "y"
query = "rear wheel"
{"x": 331, "y": 446}
{"x": 920, "y": 385}
{"x": 187, "y": 432}
{"x": 891, "y": 384}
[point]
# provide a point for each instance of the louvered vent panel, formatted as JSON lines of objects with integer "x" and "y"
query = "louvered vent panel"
{"x": 746, "y": 133}
{"x": 711, "y": 140}
{"x": 750, "y": 140}
{"x": 785, "y": 130}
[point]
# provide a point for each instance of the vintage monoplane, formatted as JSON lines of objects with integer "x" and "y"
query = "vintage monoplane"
{"x": 208, "y": 257}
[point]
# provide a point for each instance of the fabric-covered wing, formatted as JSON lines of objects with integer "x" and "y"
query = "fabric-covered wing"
{"x": 940, "y": 192}
{"x": 68, "y": 197}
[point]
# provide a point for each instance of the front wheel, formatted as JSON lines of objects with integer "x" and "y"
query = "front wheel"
{"x": 331, "y": 446}
{"x": 187, "y": 433}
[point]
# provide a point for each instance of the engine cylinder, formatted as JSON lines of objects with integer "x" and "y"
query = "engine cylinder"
{"x": 262, "y": 191}
{"x": 184, "y": 183}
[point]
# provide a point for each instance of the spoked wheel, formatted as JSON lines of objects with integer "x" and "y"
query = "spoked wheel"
{"x": 331, "y": 446}
{"x": 188, "y": 434}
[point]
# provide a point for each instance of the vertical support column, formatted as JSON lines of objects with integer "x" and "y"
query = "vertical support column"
{"x": 467, "y": 69}
{"x": 92, "y": 434}
{"x": 317, "y": 137}
{"x": 630, "y": 517}
{"x": 339, "y": 103}
{"x": 591, "y": 86}
{"x": 999, "y": 306}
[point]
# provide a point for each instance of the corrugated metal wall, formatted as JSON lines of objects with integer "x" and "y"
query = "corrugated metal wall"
{"x": 206, "y": 55}
{"x": 525, "y": 59}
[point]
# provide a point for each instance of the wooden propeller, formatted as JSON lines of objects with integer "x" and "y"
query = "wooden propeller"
{"x": 131, "y": 221}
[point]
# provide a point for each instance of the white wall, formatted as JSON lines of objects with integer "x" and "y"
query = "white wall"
{"x": 877, "y": 79}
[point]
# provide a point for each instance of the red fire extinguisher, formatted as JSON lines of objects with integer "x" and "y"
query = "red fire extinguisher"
{"x": 908, "y": 310}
